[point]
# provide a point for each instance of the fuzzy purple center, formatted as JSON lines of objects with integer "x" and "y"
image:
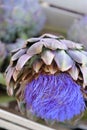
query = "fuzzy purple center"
{"x": 54, "y": 97}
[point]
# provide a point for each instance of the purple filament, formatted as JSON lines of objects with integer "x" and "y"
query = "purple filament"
{"x": 54, "y": 97}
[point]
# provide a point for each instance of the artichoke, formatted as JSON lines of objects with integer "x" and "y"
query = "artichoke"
{"x": 78, "y": 31}
{"x": 22, "y": 18}
{"x": 48, "y": 76}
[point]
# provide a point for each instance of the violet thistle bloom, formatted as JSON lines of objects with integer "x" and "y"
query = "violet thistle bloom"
{"x": 78, "y": 31}
{"x": 53, "y": 97}
{"x": 20, "y": 19}
{"x": 48, "y": 74}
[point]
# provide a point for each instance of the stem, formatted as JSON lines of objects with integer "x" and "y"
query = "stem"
{"x": 2, "y": 79}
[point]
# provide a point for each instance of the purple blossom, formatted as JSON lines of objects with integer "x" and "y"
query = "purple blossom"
{"x": 54, "y": 97}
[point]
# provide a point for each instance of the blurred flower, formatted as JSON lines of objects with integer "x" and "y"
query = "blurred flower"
{"x": 48, "y": 76}
{"x": 78, "y": 31}
{"x": 18, "y": 44}
{"x": 20, "y": 18}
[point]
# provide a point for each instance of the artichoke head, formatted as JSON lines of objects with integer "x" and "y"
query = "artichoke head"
{"x": 49, "y": 76}
{"x": 47, "y": 54}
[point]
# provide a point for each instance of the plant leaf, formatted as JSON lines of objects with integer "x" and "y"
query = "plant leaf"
{"x": 37, "y": 65}
{"x": 53, "y": 68}
{"x": 9, "y": 75}
{"x": 74, "y": 72}
{"x": 84, "y": 52}
{"x": 18, "y": 54}
{"x": 15, "y": 51}
{"x": 78, "y": 56}
{"x": 10, "y": 89}
{"x": 53, "y": 44}
{"x": 47, "y": 56}
{"x": 84, "y": 73}
{"x": 63, "y": 60}
{"x": 15, "y": 74}
{"x": 22, "y": 61}
{"x": 32, "y": 40}
{"x": 35, "y": 49}
{"x": 71, "y": 44}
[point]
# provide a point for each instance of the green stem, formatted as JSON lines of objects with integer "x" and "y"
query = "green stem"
{"x": 2, "y": 79}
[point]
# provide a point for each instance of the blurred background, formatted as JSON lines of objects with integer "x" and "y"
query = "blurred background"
{"x": 22, "y": 19}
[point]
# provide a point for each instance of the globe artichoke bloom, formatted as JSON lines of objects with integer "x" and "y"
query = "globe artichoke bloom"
{"x": 49, "y": 75}
{"x": 22, "y": 18}
{"x": 78, "y": 31}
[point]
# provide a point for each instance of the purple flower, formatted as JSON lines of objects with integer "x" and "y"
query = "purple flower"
{"x": 54, "y": 97}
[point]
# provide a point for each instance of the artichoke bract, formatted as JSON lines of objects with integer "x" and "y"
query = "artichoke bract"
{"x": 78, "y": 31}
{"x": 48, "y": 75}
{"x": 21, "y": 18}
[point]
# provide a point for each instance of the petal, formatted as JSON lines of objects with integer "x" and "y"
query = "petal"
{"x": 10, "y": 89}
{"x": 26, "y": 74}
{"x": 63, "y": 60}
{"x": 35, "y": 48}
{"x": 53, "y": 68}
{"x": 33, "y": 40}
{"x": 53, "y": 44}
{"x": 15, "y": 50}
{"x": 15, "y": 74}
{"x": 84, "y": 73}
{"x": 84, "y": 52}
{"x": 74, "y": 72}
{"x": 19, "y": 91}
{"x": 47, "y": 56}
{"x": 71, "y": 44}
{"x": 22, "y": 61}
{"x": 7, "y": 69}
{"x": 37, "y": 65}
{"x": 79, "y": 46}
{"x": 46, "y": 68}
{"x": 78, "y": 56}
{"x": 18, "y": 54}
{"x": 9, "y": 75}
